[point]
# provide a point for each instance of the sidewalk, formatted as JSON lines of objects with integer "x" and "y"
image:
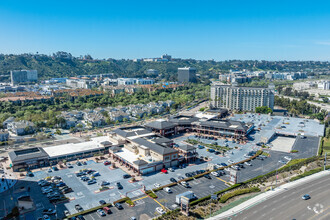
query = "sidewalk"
{"x": 269, "y": 194}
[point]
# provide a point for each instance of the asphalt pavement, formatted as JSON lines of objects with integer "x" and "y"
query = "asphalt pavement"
{"x": 290, "y": 205}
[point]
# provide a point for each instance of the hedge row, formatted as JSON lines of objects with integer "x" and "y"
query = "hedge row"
{"x": 238, "y": 192}
{"x": 320, "y": 152}
{"x": 195, "y": 202}
{"x": 121, "y": 200}
{"x": 229, "y": 188}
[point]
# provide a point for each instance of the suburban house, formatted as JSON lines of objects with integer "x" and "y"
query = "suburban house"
{"x": 21, "y": 127}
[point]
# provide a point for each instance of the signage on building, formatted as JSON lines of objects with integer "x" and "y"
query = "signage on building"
{"x": 233, "y": 176}
{"x": 185, "y": 205}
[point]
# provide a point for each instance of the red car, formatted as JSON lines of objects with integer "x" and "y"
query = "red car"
{"x": 163, "y": 170}
{"x": 107, "y": 163}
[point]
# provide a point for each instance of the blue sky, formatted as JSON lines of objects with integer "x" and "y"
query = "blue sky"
{"x": 209, "y": 29}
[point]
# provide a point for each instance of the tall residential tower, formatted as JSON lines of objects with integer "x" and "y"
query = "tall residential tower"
{"x": 240, "y": 98}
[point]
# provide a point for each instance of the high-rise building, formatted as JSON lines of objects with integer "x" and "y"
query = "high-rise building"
{"x": 186, "y": 74}
{"x": 240, "y": 98}
{"x": 23, "y": 76}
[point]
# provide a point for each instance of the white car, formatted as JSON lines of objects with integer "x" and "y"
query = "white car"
{"x": 227, "y": 169}
{"x": 215, "y": 173}
{"x": 160, "y": 210}
{"x": 171, "y": 169}
{"x": 66, "y": 213}
{"x": 288, "y": 158}
{"x": 247, "y": 163}
{"x": 185, "y": 184}
{"x": 167, "y": 189}
{"x": 230, "y": 161}
{"x": 157, "y": 185}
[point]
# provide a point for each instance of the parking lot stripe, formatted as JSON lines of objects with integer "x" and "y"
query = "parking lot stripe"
{"x": 222, "y": 180}
{"x": 140, "y": 198}
{"x": 160, "y": 204}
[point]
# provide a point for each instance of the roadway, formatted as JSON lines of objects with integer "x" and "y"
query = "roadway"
{"x": 290, "y": 205}
{"x": 322, "y": 106}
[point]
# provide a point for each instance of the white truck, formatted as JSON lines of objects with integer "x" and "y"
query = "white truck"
{"x": 189, "y": 194}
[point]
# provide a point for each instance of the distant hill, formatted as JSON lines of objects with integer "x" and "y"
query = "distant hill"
{"x": 50, "y": 66}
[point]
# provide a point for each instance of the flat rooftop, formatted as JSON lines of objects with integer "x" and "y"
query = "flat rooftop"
{"x": 68, "y": 149}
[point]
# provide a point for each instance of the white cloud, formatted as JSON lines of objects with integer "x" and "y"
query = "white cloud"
{"x": 327, "y": 43}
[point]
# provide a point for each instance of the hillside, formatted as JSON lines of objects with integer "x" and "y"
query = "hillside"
{"x": 49, "y": 66}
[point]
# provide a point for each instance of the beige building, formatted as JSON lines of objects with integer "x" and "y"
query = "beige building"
{"x": 240, "y": 98}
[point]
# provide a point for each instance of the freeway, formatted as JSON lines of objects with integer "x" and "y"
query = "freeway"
{"x": 290, "y": 205}
{"x": 322, "y": 105}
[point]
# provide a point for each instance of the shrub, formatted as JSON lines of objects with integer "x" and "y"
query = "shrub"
{"x": 103, "y": 188}
{"x": 152, "y": 195}
{"x": 294, "y": 151}
{"x": 238, "y": 192}
{"x": 308, "y": 173}
{"x": 200, "y": 200}
{"x": 129, "y": 202}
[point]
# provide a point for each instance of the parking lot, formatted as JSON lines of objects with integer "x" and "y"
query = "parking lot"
{"x": 145, "y": 207}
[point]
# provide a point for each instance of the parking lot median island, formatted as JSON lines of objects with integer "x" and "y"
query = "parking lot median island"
{"x": 122, "y": 200}
{"x": 130, "y": 202}
{"x": 238, "y": 192}
{"x": 104, "y": 188}
{"x": 152, "y": 195}
{"x": 89, "y": 210}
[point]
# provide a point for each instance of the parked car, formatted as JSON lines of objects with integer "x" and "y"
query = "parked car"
{"x": 107, "y": 210}
{"x": 78, "y": 208}
{"x": 90, "y": 182}
{"x": 66, "y": 213}
{"x": 55, "y": 168}
{"x": 181, "y": 178}
{"x": 167, "y": 189}
{"x": 84, "y": 163}
{"x": 80, "y": 217}
{"x": 173, "y": 180}
{"x": 160, "y": 210}
{"x": 171, "y": 169}
{"x": 230, "y": 161}
{"x": 105, "y": 183}
{"x": 215, "y": 174}
{"x": 102, "y": 202}
{"x": 118, "y": 206}
{"x": 185, "y": 184}
{"x": 48, "y": 211}
{"x": 119, "y": 186}
{"x": 126, "y": 176}
{"x": 216, "y": 152}
{"x": 49, "y": 170}
{"x": 156, "y": 185}
{"x": 79, "y": 164}
{"x": 247, "y": 163}
{"x": 207, "y": 176}
{"x": 101, "y": 212}
{"x": 106, "y": 163}
{"x": 96, "y": 174}
{"x": 224, "y": 164}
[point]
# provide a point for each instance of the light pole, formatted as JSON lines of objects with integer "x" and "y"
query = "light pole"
{"x": 325, "y": 160}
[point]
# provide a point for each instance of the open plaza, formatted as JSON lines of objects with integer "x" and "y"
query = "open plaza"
{"x": 151, "y": 155}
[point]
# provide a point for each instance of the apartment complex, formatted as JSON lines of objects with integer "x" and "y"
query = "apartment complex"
{"x": 23, "y": 76}
{"x": 240, "y": 98}
{"x": 133, "y": 81}
{"x": 186, "y": 74}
